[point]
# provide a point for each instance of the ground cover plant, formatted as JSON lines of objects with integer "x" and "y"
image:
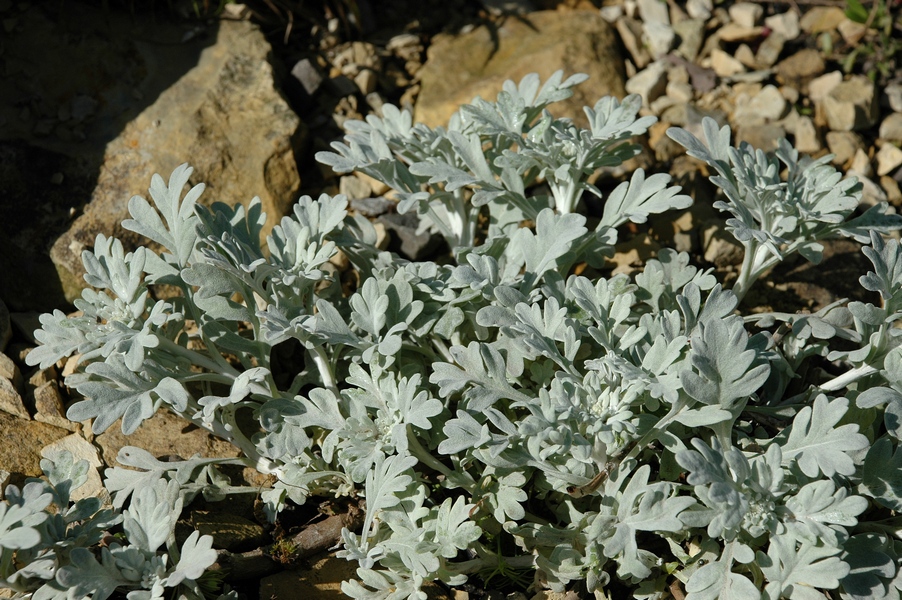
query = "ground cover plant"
{"x": 508, "y": 414}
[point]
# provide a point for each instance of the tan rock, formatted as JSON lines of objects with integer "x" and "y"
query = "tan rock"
{"x": 871, "y": 193}
{"x": 806, "y": 138}
{"x": 746, "y": 14}
{"x": 800, "y": 68}
{"x": 377, "y": 188}
{"x": 888, "y": 159}
{"x": 851, "y": 31}
{"x": 225, "y": 117}
{"x": 659, "y": 38}
{"x": 851, "y": 105}
{"x": 20, "y": 452}
{"x": 477, "y": 63}
{"x": 11, "y": 399}
{"x": 733, "y": 32}
{"x": 823, "y": 85}
{"x": 891, "y": 128}
{"x": 724, "y": 64}
{"x": 320, "y": 581}
{"x": 891, "y": 187}
{"x": 164, "y": 434}
{"x": 10, "y": 370}
{"x": 680, "y": 92}
{"x": 81, "y": 449}
{"x": 6, "y": 330}
{"x": 844, "y": 145}
{"x": 745, "y": 55}
{"x": 861, "y": 164}
{"x": 353, "y": 187}
{"x": 631, "y": 32}
{"x": 786, "y": 24}
{"x": 692, "y": 35}
{"x": 366, "y": 81}
{"x": 766, "y": 105}
{"x": 893, "y": 96}
{"x": 50, "y": 408}
{"x": 721, "y": 248}
{"x": 763, "y": 137}
{"x": 819, "y": 19}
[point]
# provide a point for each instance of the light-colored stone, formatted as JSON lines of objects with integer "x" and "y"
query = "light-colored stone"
{"x": 692, "y": 35}
{"x": 746, "y": 14}
{"x": 724, "y": 64}
{"x": 819, "y": 87}
{"x": 653, "y": 11}
{"x": 789, "y": 93}
{"x": 721, "y": 248}
{"x": 377, "y": 188}
{"x": 366, "y": 81}
{"x": 844, "y": 145}
{"x": 50, "y": 408}
{"x": 800, "y": 68}
{"x": 649, "y": 82}
{"x": 871, "y": 193}
{"x": 851, "y": 31}
{"x": 700, "y": 9}
{"x": 353, "y": 187}
{"x": 891, "y": 128}
{"x": 861, "y": 163}
{"x": 20, "y": 452}
{"x": 732, "y": 32}
{"x": 680, "y": 92}
{"x": 819, "y": 19}
{"x": 767, "y": 105}
{"x": 769, "y": 50}
{"x": 81, "y": 449}
{"x": 893, "y": 94}
{"x": 661, "y": 104}
{"x": 851, "y": 105}
{"x": 164, "y": 434}
{"x": 659, "y": 38}
{"x": 477, "y": 63}
{"x": 11, "y": 399}
{"x": 786, "y": 24}
{"x": 764, "y": 137}
{"x": 888, "y": 159}
{"x": 10, "y": 370}
{"x": 226, "y": 117}
{"x": 806, "y": 138}
{"x": 631, "y": 34}
{"x": 745, "y": 55}
{"x": 891, "y": 187}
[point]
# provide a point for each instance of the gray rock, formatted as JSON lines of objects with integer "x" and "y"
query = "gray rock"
{"x": 767, "y": 105}
{"x": 700, "y": 9}
{"x": 691, "y": 34}
{"x": 786, "y": 24}
{"x": 653, "y": 11}
{"x": 769, "y": 51}
{"x": 308, "y": 77}
{"x": 851, "y": 105}
{"x": 821, "y": 86}
{"x": 732, "y": 32}
{"x": 353, "y": 187}
{"x": 649, "y": 82}
{"x": 10, "y": 370}
{"x": 477, "y": 63}
{"x": 891, "y": 127}
{"x": 861, "y": 164}
{"x": 721, "y": 248}
{"x": 225, "y": 117}
{"x": 659, "y": 37}
{"x": 806, "y": 138}
{"x": 871, "y": 193}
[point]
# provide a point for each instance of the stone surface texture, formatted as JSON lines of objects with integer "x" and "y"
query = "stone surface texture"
{"x": 464, "y": 66}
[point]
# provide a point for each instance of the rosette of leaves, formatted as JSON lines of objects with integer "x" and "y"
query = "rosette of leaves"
{"x": 50, "y": 547}
{"x": 506, "y": 411}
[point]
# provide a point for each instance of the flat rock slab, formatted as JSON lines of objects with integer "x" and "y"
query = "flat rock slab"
{"x": 461, "y": 67}
{"x": 20, "y": 452}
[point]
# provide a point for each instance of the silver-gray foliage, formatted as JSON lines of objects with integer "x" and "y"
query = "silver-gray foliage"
{"x": 500, "y": 414}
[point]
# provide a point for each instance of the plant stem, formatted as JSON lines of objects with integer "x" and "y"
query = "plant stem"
{"x": 847, "y": 378}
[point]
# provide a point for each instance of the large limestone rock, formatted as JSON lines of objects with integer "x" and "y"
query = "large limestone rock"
{"x": 111, "y": 101}
{"x": 477, "y": 63}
